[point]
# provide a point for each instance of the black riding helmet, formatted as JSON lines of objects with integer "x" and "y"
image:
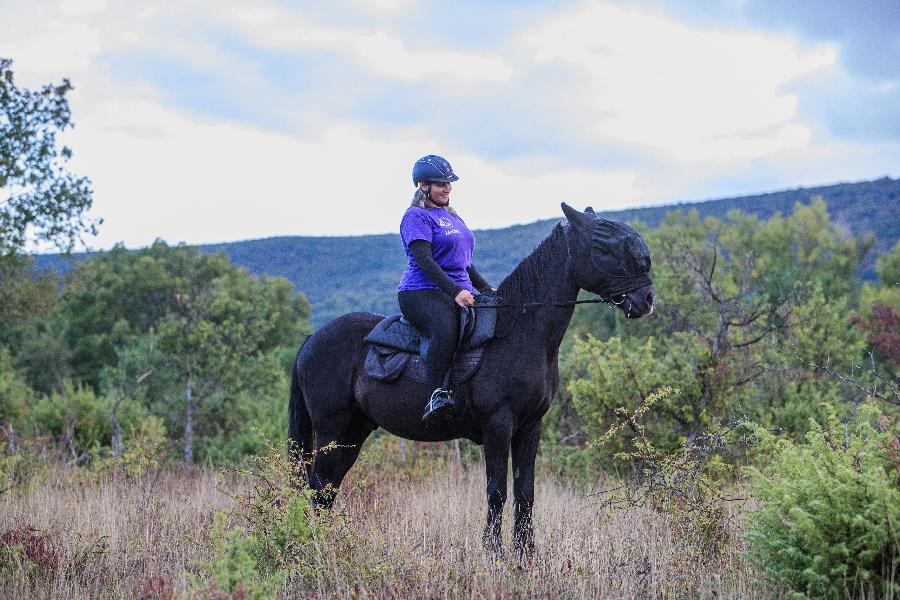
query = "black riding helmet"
{"x": 433, "y": 169}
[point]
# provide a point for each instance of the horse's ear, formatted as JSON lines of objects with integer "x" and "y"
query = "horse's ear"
{"x": 577, "y": 218}
{"x": 589, "y": 210}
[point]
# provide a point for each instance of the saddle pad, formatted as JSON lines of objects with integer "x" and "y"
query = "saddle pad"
{"x": 389, "y": 365}
{"x": 463, "y": 367}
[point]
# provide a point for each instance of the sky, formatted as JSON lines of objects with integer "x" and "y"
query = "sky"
{"x": 205, "y": 121}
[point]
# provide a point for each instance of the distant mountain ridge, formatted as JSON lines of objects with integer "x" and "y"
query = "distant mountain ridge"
{"x": 344, "y": 274}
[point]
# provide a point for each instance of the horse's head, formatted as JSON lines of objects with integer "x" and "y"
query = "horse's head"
{"x": 610, "y": 259}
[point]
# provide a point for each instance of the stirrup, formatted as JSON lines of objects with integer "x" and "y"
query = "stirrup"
{"x": 440, "y": 404}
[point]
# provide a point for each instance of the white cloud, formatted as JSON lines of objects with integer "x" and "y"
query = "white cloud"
{"x": 52, "y": 48}
{"x": 693, "y": 95}
{"x": 379, "y": 50}
{"x": 384, "y": 6}
{"x": 82, "y": 7}
{"x": 159, "y": 173}
{"x": 709, "y": 108}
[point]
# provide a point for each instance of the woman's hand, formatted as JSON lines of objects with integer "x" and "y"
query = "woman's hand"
{"x": 465, "y": 298}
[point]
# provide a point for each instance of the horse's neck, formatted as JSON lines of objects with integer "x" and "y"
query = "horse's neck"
{"x": 544, "y": 277}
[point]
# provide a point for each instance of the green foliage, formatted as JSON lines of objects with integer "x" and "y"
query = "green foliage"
{"x": 238, "y": 427}
{"x": 281, "y": 536}
{"x": 617, "y": 375}
{"x": 738, "y": 303}
{"x": 78, "y": 419}
{"x": 827, "y": 521}
{"x": 121, "y": 295}
{"x": 821, "y": 333}
{"x": 189, "y": 336}
{"x": 888, "y": 267}
{"x": 687, "y": 483}
{"x": 27, "y": 299}
{"x": 40, "y": 199}
{"x": 146, "y": 447}
{"x": 75, "y": 417}
{"x": 15, "y": 394}
{"x": 233, "y": 570}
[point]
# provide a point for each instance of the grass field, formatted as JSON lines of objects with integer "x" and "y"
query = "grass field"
{"x": 412, "y": 530}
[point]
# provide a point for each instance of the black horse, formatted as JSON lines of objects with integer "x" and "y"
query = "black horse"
{"x": 333, "y": 401}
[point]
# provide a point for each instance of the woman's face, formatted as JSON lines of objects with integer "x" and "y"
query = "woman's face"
{"x": 440, "y": 192}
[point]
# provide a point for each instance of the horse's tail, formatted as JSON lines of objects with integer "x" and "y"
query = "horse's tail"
{"x": 300, "y": 427}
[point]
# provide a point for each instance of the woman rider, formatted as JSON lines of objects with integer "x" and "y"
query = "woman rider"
{"x": 439, "y": 276}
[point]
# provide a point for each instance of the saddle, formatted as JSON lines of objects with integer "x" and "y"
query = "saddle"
{"x": 397, "y": 346}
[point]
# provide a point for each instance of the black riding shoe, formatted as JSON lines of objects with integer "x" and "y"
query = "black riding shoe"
{"x": 439, "y": 407}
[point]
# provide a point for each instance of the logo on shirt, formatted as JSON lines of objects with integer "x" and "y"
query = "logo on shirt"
{"x": 444, "y": 222}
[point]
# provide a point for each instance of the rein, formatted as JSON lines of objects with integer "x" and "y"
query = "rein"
{"x": 526, "y": 305}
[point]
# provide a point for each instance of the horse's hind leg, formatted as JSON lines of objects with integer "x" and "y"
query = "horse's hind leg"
{"x": 332, "y": 462}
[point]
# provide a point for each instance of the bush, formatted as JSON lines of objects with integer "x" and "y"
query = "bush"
{"x": 76, "y": 418}
{"x": 829, "y": 509}
{"x": 280, "y": 539}
{"x": 79, "y": 420}
{"x": 15, "y": 395}
{"x": 689, "y": 485}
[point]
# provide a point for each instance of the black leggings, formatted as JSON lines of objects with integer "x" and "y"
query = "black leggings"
{"x": 436, "y": 315}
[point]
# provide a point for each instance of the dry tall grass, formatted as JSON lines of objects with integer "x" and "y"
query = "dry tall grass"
{"x": 110, "y": 537}
{"x": 412, "y": 536}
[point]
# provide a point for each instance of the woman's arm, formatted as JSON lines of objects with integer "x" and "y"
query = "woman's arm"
{"x": 478, "y": 281}
{"x": 421, "y": 253}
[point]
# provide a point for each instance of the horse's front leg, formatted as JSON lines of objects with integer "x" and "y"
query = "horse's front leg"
{"x": 497, "y": 435}
{"x": 524, "y": 449}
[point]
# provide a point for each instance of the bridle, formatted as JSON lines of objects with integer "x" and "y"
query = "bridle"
{"x": 560, "y": 303}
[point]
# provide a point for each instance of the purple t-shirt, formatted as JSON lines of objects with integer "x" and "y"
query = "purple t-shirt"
{"x": 451, "y": 247}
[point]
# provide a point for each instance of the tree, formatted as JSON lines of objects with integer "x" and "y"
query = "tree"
{"x": 726, "y": 292}
{"x": 190, "y": 336}
{"x": 112, "y": 300}
{"x": 221, "y": 335}
{"x": 39, "y": 199}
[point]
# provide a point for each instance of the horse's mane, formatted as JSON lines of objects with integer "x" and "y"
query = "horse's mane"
{"x": 528, "y": 281}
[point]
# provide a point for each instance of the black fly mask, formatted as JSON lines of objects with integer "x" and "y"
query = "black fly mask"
{"x": 620, "y": 255}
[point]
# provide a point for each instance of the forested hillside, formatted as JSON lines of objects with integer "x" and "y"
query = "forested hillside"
{"x": 343, "y": 274}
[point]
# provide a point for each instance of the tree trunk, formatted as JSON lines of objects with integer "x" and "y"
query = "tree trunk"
{"x": 402, "y": 450}
{"x": 116, "y": 428}
{"x": 10, "y": 439}
{"x": 189, "y": 422}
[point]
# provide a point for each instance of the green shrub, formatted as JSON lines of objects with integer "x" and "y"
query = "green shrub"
{"x": 145, "y": 450}
{"x": 280, "y": 537}
{"x": 76, "y": 418}
{"x": 15, "y": 395}
{"x": 80, "y": 420}
{"x": 233, "y": 572}
{"x": 828, "y": 518}
{"x": 689, "y": 484}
